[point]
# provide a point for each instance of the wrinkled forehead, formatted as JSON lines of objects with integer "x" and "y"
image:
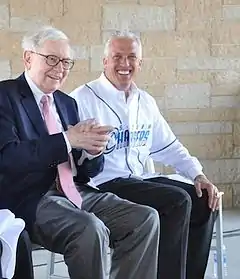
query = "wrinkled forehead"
{"x": 60, "y": 48}
{"x": 124, "y": 46}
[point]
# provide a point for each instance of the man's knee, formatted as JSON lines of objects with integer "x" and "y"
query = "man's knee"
{"x": 95, "y": 227}
{"x": 93, "y": 235}
{"x": 181, "y": 198}
{"x": 149, "y": 217}
{"x": 201, "y": 211}
{"x": 152, "y": 214}
{"x": 88, "y": 225}
{"x": 180, "y": 204}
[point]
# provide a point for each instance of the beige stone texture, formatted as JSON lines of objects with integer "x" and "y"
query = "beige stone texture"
{"x": 96, "y": 57}
{"x": 208, "y": 63}
{"x": 222, "y": 171}
{"x": 50, "y": 8}
{"x": 17, "y": 66}
{"x": 122, "y": 1}
{"x": 4, "y": 16}
{"x": 203, "y": 114}
{"x": 225, "y": 101}
{"x": 236, "y": 152}
{"x": 156, "y": 90}
{"x": 175, "y": 44}
{"x": 80, "y": 52}
{"x": 81, "y": 65}
{"x": 209, "y": 146}
{"x": 193, "y": 76}
{"x": 10, "y": 44}
{"x": 136, "y": 17}
{"x": 161, "y": 70}
{"x": 76, "y": 79}
{"x": 197, "y": 15}
{"x": 228, "y": 195}
{"x": 185, "y": 96}
{"x": 237, "y": 114}
{"x": 193, "y": 128}
{"x": 225, "y": 32}
{"x": 156, "y": 2}
{"x": 84, "y": 11}
{"x": 225, "y": 83}
{"x": 231, "y": 2}
{"x": 236, "y": 195}
{"x": 25, "y": 24}
{"x": 231, "y": 12}
{"x": 236, "y": 134}
{"x": 225, "y": 50}
{"x": 5, "y": 69}
{"x": 81, "y": 33}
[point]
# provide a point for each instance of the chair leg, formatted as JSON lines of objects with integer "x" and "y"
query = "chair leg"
{"x": 50, "y": 264}
{"x": 219, "y": 243}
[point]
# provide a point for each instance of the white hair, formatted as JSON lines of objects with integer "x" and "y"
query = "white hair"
{"x": 123, "y": 34}
{"x": 34, "y": 40}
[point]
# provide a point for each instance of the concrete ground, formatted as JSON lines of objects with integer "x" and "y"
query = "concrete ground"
{"x": 231, "y": 221}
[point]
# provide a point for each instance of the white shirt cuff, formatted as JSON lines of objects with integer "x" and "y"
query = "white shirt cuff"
{"x": 85, "y": 155}
{"x": 69, "y": 148}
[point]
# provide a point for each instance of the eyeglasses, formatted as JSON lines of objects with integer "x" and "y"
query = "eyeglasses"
{"x": 53, "y": 60}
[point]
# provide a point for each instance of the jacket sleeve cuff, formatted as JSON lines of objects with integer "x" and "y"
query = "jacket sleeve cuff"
{"x": 194, "y": 172}
{"x": 86, "y": 155}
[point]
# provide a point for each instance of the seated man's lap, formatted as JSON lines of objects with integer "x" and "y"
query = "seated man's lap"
{"x": 200, "y": 208}
{"x": 57, "y": 219}
{"x": 159, "y": 193}
{"x": 149, "y": 192}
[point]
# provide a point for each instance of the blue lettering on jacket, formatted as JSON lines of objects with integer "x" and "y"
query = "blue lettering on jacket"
{"x": 123, "y": 137}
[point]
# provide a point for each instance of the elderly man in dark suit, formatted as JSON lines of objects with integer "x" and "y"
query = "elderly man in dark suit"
{"x": 47, "y": 157}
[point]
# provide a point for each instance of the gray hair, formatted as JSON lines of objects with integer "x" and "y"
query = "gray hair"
{"x": 123, "y": 34}
{"x": 34, "y": 40}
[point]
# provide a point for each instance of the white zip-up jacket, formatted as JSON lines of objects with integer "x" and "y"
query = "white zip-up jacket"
{"x": 140, "y": 131}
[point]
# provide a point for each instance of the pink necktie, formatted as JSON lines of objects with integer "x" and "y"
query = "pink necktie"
{"x": 64, "y": 170}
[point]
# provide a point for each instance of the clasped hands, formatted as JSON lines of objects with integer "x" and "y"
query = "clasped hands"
{"x": 89, "y": 135}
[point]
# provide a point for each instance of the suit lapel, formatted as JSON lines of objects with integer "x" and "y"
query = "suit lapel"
{"x": 61, "y": 109}
{"x": 31, "y": 107}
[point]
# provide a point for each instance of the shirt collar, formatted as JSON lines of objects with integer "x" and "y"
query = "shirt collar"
{"x": 110, "y": 87}
{"x": 37, "y": 93}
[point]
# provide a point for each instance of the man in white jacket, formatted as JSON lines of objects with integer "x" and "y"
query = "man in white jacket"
{"x": 186, "y": 211}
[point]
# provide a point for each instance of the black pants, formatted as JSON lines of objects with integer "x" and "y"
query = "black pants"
{"x": 186, "y": 222}
{"x": 24, "y": 266}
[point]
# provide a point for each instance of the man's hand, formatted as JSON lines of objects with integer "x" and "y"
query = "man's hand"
{"x": 201, "y": 182}
{"x": 89, "y": 136}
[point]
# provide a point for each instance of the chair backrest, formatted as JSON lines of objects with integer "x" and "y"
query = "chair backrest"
{"x": 150, "y": 168}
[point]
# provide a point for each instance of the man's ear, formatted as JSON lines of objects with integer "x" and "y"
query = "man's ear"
{"x": 104, "y": 62}
{"x": 27, "y": 59}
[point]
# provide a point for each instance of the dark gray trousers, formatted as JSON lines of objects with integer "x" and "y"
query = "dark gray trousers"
{"x": 186, "y": 222}
{"x": 84, "y": 236}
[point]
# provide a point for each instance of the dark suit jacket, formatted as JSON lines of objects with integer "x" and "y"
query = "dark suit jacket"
{"x": 28, "y": 154}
